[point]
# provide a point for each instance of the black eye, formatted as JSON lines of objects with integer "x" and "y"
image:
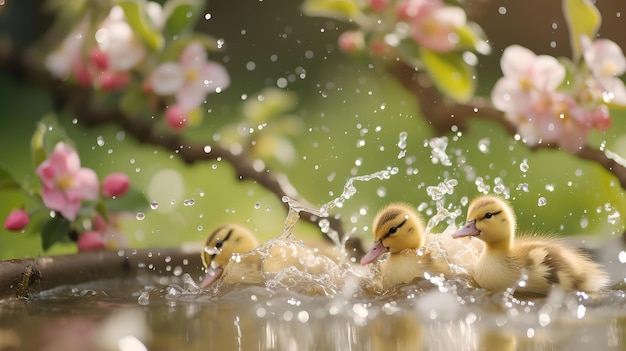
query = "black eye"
{"x": 393, "y": 230}
{"x": 488, "y": 215}
{"x": 219, "y": 244}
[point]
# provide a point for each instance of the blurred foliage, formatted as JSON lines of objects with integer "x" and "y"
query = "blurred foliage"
{"x": 352, "y": 113}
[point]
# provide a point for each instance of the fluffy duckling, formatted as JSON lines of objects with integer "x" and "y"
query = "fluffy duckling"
{"x": 399, "y": 230}
{"x": 232, "y": 253}
{"x": 220, "y": 246}
{"x": 544, "y": 261}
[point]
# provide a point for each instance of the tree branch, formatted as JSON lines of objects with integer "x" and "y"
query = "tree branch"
{"x": 443, "y": 114}
{"x": 92, "y": 114}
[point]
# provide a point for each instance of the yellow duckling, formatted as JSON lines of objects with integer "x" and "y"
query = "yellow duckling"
{"x": 537, "y": 263}
{"x": 232, "y": 253}
{"x": 399, "y": 230}
{"x": 220, "y": 246}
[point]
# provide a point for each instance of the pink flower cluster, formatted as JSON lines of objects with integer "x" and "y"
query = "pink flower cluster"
{"x": 113, "y": 52}
{"x": 189, "y": 81}
{"x": 65, "y": 186}
{"x": 545, "y": 108}
{"x": 111, "y": 58}
{"x": 430, "y": 23}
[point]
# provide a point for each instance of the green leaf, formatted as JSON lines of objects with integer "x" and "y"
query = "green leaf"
{"x": 55, "y": 230}
{"x": 133, "y": 201}
{"x": 274, "y": 103}
{"x": 582, "y": 18}
{"x": 450, "y": 73}
{"x": 472, "y": 37}
{"x": 338, "y": 9}
{"x": 7, "y": 181}
{"x": 135, "y": 12}
{"x": 47, "y": 135}
{"x": 181, "y": 15}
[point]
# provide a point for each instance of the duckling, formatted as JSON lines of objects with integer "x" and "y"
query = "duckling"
{"x": 232, "y": 253}
{"x": 538, "y": 263}
{"x": 399, "y": 230}
{"x": 221, "y": 245}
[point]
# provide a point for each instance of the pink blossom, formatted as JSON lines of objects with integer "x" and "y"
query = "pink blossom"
{"x": 190, "y": 79}
{"x": 65, "y": 183}
{"x": 109, "y": 232}
{"x": 351, "y": 41}
{"x": 526, "y": 77}
{"x": 16, "y": 220}
{"x": 90, "y": 241}
{"x": 436, "y": 29}
{"x": 530, "y": 98}
{"x": 117, "y": 40}
{"x": 432, "y": 24}
{"x": 378, "y": 5}
{"x": 115, "y": 184}
{"x": 176, "y": 117}
{"x": 62, "y": 61}
{"x": 606, "y": 62}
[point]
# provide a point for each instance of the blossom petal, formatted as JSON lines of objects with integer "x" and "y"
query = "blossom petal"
{"x": 605, "y": 58}
{"x": 190, "y": 96}
{"x": 194, "y": 55}
{"x": 214, "y": 77}
{"x": 516, "y": 61}
{"x": 167, "y": 78}
{"x": 85, "y": 185}
{"x": 547, "y": 73}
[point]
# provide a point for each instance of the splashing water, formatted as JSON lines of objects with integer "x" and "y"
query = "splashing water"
{"x": 438, "y": 153}
{"x": 349, "y": 190}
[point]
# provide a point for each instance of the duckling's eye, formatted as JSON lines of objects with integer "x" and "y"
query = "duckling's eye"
{"x": 491, "y": 214}
{"x": 393, "y": 230}
{"x": 219, "y": 244}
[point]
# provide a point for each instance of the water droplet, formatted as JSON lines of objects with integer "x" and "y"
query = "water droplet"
{"x": 613, "y": 218}
{"x": 502, "y": 10}
{"x": 622, "y": 256}
{"x": 483, "y": 145}
{"x": 524, "y": 166}
{"x": 207, "y": 149}
{"x": 402, "y": 139}
{"x": 144, "y": 298}
{"x": 584, "y": 222}
{"x": 154, "y": 205}
{"x": 542, "y": 201}
{"x": 140, "y": 216}
{"x": 257, "y": 206}
{"x": 189, "y": 202}
{"x": 523, "y": 187}
{"x": 550, "y": 187}
{"x": 381, "y": 192}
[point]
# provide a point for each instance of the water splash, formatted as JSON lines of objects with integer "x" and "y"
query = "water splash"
{"x": 438, "y": 153}
{"x": 349, "y": 190}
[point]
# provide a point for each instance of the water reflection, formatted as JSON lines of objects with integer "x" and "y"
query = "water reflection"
{"x": 106, "y": 315}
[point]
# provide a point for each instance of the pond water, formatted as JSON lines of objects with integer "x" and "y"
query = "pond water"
{"x": 166, "y": 312}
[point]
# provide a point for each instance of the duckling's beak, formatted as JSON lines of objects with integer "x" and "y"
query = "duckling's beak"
{"x": 212, "y": 274}
{"x": 468, "y": 230}
{"x": 377, "y": 249}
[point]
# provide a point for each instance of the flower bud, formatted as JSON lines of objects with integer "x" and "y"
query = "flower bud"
{"x": 176, "y": 117}
{"x": 115, "y": 184}
{"x": 16, "y": 220}
{"x": 90, "y": 241}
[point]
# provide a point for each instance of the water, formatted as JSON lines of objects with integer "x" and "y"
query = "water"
{"x": 165, "y": 313}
